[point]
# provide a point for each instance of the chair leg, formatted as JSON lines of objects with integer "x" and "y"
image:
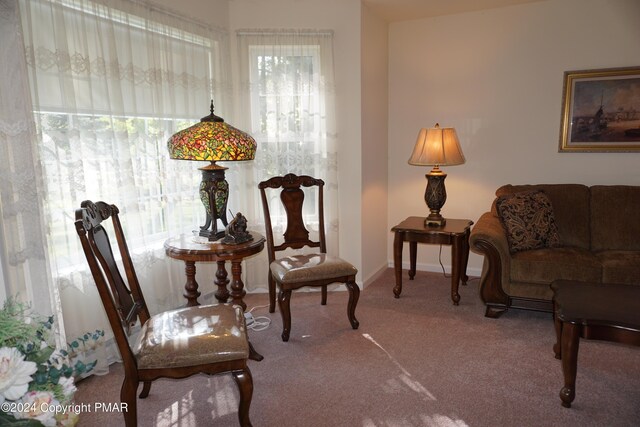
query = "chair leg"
{"x": 272, "y": 293}
{"x": 253, "y": 354}
{"x": 145, "y": 389}
{"x": 354, "y": 294}
{"x": 245, "y": 386}
{"x": 324, "y": 295}
{"x": 284, "y": 299}
{"x": 128, "y": 396}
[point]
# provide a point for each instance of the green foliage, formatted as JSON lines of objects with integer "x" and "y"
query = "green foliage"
{"x": 16, "y": 331}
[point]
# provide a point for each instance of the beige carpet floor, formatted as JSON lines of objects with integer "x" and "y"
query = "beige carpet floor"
{"x": 414, "y": 361}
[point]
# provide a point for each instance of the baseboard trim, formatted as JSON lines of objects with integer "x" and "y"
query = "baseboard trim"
{"x": 436, "y": 268}
{"x": 373, "y": 277}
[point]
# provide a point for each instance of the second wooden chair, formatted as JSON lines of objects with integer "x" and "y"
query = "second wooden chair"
{"x": 309, "y": 269}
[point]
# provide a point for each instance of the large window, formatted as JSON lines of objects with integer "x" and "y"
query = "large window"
{"x": 289, "y": 76}
{"x": 90, "y": 164}
{"x": 111, "y": 87}
{"x": 111, "y": 81}
{"x": 286, "y": 100}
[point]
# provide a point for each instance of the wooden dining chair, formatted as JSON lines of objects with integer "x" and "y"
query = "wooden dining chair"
{"x": 209, "y": 339}
{"x": 306, "y": 269}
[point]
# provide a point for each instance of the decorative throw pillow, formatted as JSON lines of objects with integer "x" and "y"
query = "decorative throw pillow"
{"x": 528, "y": 220}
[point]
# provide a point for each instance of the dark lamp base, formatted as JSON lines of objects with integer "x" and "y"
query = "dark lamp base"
{"x": 435, "y": 195}
{"x": 434, "y": 220}
{"x": 214, "y": 194}
{"x": 211, "y": 235}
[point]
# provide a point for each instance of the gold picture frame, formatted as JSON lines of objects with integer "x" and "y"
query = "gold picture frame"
{"x": 601, "y": 110}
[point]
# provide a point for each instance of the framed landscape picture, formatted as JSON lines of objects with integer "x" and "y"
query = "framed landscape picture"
{"x": 601, "y": 110}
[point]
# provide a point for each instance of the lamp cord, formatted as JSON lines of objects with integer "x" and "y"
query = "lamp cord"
{"x": 257, "y": 323}
{"x": 448, "y": 276}
{"x": 444, "y": 273}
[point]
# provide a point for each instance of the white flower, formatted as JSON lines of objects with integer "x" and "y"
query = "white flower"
{"x": 38, "y": 405}
{"x": 15, "y": 373}
{"x": 68, "y": 388}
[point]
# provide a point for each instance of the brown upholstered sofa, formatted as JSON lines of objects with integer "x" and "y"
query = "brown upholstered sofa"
{"x": 598, "y": 240}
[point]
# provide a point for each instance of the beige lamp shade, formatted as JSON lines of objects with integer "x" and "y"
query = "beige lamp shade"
{"x": 437, "y": 147}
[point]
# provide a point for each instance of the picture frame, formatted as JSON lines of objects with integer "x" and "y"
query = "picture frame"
{"x": 601, "y": 110}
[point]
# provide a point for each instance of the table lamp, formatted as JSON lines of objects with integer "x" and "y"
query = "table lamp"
{"x": 212, "y": 140}
{"x": 436, "y": 147}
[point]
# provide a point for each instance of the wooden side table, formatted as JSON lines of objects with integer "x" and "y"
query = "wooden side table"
{"x": 455, "y": 232}
{"x": 189, "y": 250}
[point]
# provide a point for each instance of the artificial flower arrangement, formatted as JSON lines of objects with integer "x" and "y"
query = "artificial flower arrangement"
{"x": 36, "y": 380}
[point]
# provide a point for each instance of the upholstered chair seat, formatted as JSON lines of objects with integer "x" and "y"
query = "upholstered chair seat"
{"x": 192, "y": 336}
{"x": 306, "y": 268}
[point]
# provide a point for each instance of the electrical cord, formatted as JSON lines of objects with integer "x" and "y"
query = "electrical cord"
{"x": 444, "y": 273}
{"x": 257, "y": 323}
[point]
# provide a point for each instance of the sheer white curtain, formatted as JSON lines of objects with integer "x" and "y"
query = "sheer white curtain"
{"x": 22, "y": 232}
{"x": 111, "y": 80}
{"x": 287, "y": 101}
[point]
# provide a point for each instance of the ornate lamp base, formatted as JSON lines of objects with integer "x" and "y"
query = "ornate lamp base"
{"x": 435, "y": 195}
{"x": 214, "y": 194}
{"x": 435, "y": 220}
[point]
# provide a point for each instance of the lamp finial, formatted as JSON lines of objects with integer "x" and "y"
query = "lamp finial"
{"x": 212, "y": 117}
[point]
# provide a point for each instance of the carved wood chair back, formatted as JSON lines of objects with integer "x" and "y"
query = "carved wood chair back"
{"x": 296, "y": 235}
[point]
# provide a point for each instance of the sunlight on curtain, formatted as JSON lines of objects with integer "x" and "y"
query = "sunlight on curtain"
{"x": 111, "y": 81}
{"x": 22, "y": 237}
{"x": 287, "y": 94}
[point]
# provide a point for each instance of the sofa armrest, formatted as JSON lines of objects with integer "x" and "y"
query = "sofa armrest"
{"x": 489, "y": 229}
{"x": 488, "y": 238}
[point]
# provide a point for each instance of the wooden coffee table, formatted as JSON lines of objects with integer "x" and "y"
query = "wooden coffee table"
{"x": 597, "y": 311}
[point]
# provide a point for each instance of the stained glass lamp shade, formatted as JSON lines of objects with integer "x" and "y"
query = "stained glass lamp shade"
{"x": 212, "y": 140}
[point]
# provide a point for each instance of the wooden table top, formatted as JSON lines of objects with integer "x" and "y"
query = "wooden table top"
{"x": 416, "y": 224}
{"x": 597, "y": 303}
{"x": 194, "y": 248}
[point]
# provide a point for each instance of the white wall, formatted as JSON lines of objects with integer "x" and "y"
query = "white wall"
{"x": 496, "y": 76}
{"x": 375, "y": 101}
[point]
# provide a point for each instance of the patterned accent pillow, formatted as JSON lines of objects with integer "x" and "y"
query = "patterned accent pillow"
{"x": 528, "y": 219}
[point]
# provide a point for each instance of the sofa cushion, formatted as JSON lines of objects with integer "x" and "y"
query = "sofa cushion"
{"x": 620, "y": 267}
{"x": 570, "y": 208}
{"x": 615, "y": 214}
{"x": 543, "y": 266}
{"x": 528, "y": 220}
